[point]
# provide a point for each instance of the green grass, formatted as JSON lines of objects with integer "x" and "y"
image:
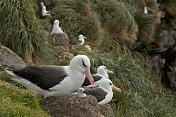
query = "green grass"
{"x": 21, "y": 31}
{"x": 142, "y": 93}
{"x": 16, "y": 101}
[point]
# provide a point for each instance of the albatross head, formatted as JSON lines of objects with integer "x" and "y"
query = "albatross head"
{"x": 44, "y": 8}
{"x": 107, "y": 85}
{"x": 102, "y": 70}
{"x": 82, "y": 64}
{"x": 81, "y": 37}
{"x": 56, "y": 22}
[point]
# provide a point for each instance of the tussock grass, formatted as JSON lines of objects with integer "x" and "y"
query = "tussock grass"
{"x": 18, "y": 102}
{"x": 142, "y": 95}
{"x": 21, "y": 31}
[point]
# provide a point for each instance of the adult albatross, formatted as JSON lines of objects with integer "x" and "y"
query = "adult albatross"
{"x": 103, "y": 92}
{"x": 58, "y": 80}
{"x": 102, "y": 72}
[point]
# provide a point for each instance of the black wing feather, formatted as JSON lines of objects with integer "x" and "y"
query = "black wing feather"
{"x": 43, "y": 76}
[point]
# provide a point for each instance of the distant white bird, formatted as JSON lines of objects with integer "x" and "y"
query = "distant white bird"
{"x": 44, "y": 12}
{"x": 88, "y": 48}
{"x": 80, "y": 40}
{"x": 42, "y": 4}
{"x": 145, "y": 10}
{"x": 56, "y": 29}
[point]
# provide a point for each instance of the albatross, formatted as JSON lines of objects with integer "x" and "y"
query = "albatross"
{"x": 102, "y": 72}
{"x": 56, "y": 80}
{"x": 56, "y": 29}
{"x": 44, "y": 12}
{"x": 103, "y": 92}
{"x": 145, "y": 10}
{"x": 80, "y": 40}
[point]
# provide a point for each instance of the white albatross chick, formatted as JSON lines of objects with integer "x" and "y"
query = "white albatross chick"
{"x": 56, "y": 29}
{"x": 58, "y": 80}
{"x": 80, "y": 92}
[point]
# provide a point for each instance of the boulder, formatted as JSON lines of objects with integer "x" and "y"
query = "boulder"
{"x": 165, "y": 40}
{"x": 157, "y": 63}
{"x": 71, "y": 106}
{"x": 172, "y": 77}
{"x": 9, "y": 58}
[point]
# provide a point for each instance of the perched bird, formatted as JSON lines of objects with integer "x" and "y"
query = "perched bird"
{"x": 102, "y": 72}
{"x": 145, "y": 10}
{"x": 44, "y": 12}
{"x": 80, "y": 40}
{"x": 56, "y": 29}
{"x": 56, "y": 80}
{"x": 103, "y": 92}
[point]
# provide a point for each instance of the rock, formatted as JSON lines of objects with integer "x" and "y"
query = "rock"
{"x": 157, "y": 63}
{"x": 165, "y": 40}
{"x": 172, "y": 77}
{"x": 9, "y": 58}
{"x": 60, "y": 40}
{"x": 71, "y": 106}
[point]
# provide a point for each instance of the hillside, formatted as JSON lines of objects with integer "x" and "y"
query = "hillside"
{"x": 140, "y": 49}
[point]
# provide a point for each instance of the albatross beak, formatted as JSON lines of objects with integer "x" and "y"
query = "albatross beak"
{"x": 85, "y": 37}
{"x": 89, "y": 76}
{"x": 110, "y": 72}
{"x": 117, "y": 89}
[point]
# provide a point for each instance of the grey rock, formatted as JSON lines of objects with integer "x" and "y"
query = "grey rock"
{"x": 172, "y": 77}
{"x": 9, "y": 58}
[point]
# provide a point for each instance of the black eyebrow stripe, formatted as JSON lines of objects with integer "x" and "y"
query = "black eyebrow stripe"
{"x": 84, "y": 64}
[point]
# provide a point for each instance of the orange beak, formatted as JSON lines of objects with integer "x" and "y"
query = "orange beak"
{"x": 110, "y": 72}
{"x": 85, "y": 37}
{"x": 116, "y": 89}
{"x": 89, "y": 76}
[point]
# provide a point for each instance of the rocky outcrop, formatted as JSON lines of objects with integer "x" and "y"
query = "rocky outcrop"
{"x": 71, "y": 106}
{"x": 9, "y": 58}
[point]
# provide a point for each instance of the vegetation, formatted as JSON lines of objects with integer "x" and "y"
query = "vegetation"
{"x": 142, "y": 95}
{"x": 18, "y": 102}
{"x": 21, "y": 31}
{"x": 110, "y": 26}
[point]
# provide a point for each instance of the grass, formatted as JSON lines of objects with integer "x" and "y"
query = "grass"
{"x": 22, "y": 31}
{"x": 16, "y": 101}
{"x": 106, "y": 23}
{"x": 142, "y": 95}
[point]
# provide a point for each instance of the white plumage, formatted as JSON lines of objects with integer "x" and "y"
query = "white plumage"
{"x": 44, "y": 12}
{"x": 145, "y": 10}
{"x": 69, "y": 78}
{"x": 56, "y": 29}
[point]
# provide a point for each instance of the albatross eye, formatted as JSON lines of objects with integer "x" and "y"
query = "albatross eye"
{"x": 110, "y": 83}
{"x": 83, "y": 63}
